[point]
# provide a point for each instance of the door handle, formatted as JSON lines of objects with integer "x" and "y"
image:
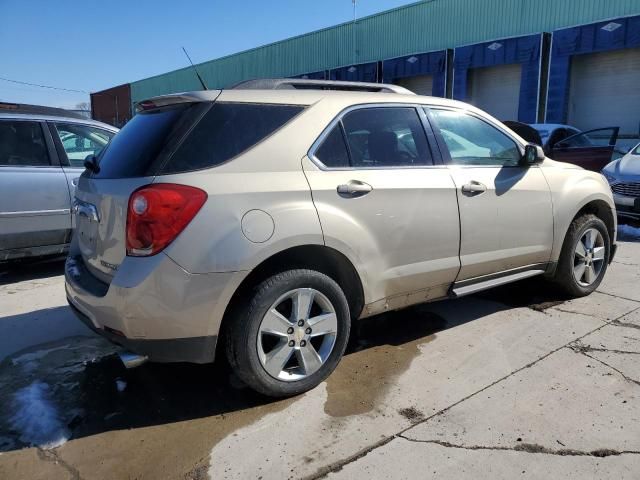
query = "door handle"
{"x": 354, "y": 189}
{"x": 474, "y": 188}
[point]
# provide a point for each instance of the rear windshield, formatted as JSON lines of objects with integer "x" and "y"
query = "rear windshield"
{"x": 164, "y": 141}
{"x": 133, "y": 150}
{"x": 227, "y": 130}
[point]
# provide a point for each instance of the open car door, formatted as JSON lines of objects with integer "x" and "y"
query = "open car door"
{"x": 527, "y": 132}
{"x": 591, "y": 150}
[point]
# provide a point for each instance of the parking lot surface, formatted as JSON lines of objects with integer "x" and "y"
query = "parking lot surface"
{"x": 514, "y": 382}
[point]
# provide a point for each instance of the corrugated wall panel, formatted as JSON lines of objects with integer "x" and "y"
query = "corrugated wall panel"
{"x": 419, "y": 27}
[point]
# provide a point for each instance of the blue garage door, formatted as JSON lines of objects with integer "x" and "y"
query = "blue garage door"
{"x": 521, "y": 54}
{"x": 605, "y": 91}
{"x": 594, "y": 75}
{"x": 422, "y": 73}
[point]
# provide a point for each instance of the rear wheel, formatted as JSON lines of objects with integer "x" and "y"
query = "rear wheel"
{"x": 291, "y": 335}
{"x": 584, "y": 257}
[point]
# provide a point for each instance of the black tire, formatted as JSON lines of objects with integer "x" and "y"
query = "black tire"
{"x": 243, "y": 331}
{"x": 564, "y": 278}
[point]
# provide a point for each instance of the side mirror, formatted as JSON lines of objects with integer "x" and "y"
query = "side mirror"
{"x": 533, "y": 154}
{"x": 91, "y": 163}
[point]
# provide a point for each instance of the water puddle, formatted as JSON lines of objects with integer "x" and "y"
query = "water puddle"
{"x": 40, "y": 391}
{"x": 383, "y": 349}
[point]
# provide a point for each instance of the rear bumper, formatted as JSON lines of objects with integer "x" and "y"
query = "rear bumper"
{"x": 153, "y": 307}
{"x": 192, "y": 350}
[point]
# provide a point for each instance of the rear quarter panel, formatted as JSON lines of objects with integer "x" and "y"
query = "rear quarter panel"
{"x": 267, "y": 179}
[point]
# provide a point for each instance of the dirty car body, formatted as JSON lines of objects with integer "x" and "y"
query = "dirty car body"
{"x": 271, "y": 218}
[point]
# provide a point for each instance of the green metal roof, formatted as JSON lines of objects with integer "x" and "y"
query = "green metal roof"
{"x": 418, "y": 27}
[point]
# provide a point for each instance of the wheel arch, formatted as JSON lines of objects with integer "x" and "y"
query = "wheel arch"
{"x": 320, "y": 258}
{"x": 599, "y": 207}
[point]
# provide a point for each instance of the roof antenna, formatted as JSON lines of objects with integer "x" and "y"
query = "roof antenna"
{"x": 195, "y": 69}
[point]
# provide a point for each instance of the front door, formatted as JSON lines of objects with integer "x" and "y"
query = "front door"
{"x": 506, "y": 215}
{"x": 591, "y": 150}
{"x": 34, "y": 198}
{"x": 381, "y": 197}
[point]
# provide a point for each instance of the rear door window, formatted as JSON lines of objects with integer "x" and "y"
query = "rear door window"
{"x": 226, "y": 131}
{"x": 80, "y": 141}
{"x": 386, "y": 137}
{"x": 332, "y": 152}
{"x": 22, "y": 144}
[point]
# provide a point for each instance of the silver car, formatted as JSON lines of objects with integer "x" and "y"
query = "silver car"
{"x": 262, "y": 221}
{"x": 624, "y": 177}
{"x": 42, "y": 153}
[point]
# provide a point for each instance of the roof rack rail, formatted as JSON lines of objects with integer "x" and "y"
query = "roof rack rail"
{"x": 24, "y": 108}
{"x": 307, "y": 84}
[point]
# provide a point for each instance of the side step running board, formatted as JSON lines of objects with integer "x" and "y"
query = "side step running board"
{"x": 466, "y": 288}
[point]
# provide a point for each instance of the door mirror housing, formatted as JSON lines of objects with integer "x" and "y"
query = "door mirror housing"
{"x": 91, "y": 163}
{"x": 533, "y": 154}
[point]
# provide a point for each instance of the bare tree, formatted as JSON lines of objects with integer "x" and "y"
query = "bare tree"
{"x": 83, "y": 106}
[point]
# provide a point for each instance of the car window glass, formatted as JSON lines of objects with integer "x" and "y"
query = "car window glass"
{"x": 133, "y": 151}
{"x": 226, "y": 131}
{"x": 595, "y": 138}
{"x": 22, "y": 144}
{"x": 386, "y": 137}
{"x": 333, "y": 151}
{"x": 80, "y": 141}
{"x": 472, "y": 141}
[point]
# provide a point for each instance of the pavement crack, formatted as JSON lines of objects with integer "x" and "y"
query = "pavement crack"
{"x": 625, "y": 263}
{"x": 618, "y": 323}
{"x": 338, "y": 465}
{"x": 627, "y": 378}
{"x": 530, "y": 448}
{"x": 572, "y": 312}
{"x": 52, "y": 456}
{"x": 581, "y": 348}
{"x": 621, "y": 298}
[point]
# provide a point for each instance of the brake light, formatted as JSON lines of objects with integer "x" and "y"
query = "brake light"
{"x": 157, "y": 214}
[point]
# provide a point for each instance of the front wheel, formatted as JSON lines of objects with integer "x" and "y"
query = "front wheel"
{"x": 584, "y": 257}
{"x": 292, "y": 333}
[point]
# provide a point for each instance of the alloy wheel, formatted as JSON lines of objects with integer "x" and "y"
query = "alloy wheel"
{"x": 297, "y": 334}
{"x": 589, "y": 257}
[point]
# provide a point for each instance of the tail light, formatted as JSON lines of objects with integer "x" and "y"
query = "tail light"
{"x": 157, "y": 214}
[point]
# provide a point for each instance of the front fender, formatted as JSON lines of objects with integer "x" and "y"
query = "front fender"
{"x": 573, "y": 189}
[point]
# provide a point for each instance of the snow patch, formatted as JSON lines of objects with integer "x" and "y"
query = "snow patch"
{"x": 37, "y": 355}
{"x": 35, "y": 417}
{"x": 628, "y": 232}
{"x": 121, "y": 385}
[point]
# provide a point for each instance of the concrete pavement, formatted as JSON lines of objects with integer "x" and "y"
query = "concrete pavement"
{"x": 513, "y": 382}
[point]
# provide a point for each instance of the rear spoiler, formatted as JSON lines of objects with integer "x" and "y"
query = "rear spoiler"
{"x": 177, "y": 98}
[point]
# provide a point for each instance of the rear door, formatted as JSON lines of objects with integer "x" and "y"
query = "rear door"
{"x": 383, "y": 195}
{"x": 591, "y": 150}
{"x": 506, "y": 215}
{"x": 34, "y": 198}
{"x": 74, "y": 142}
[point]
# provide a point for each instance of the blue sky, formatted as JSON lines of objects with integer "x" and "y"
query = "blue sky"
{"x": 91, "y": 45}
